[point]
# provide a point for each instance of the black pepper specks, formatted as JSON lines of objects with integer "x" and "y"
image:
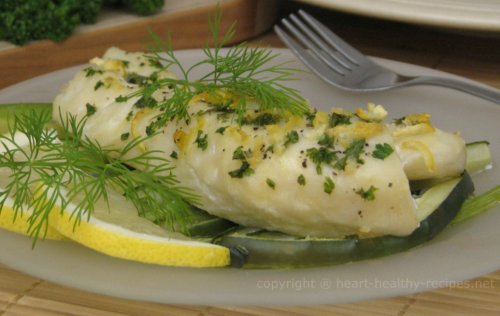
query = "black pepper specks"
{"x": 304, "y": 163}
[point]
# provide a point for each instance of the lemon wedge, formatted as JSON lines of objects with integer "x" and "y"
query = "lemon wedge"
{"x": 115, "y": 229}
{"x": 11, "y": 220}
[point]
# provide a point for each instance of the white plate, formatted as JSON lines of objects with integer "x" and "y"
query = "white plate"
{"x": 461, "y": 252}
{"x": 478, "y": 15}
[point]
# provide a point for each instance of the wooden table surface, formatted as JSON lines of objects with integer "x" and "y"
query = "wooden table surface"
{"x": 473, "y": 55}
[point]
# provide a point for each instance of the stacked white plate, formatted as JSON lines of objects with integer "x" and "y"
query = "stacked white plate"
{"x": 477, "y": 15}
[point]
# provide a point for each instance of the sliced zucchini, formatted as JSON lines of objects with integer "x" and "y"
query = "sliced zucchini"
{"x": 257, "y": 249}
{"x": 9, "y": 111}
{"x": 433, "y": 197}
{"x": 198, "y": 224}
{"x": 478, "y": 156}
{"x": 478, "y": 204}
{"x": 210, "y": 228}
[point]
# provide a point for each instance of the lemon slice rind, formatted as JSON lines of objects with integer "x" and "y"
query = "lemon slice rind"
{"x": 120, "y": 241}
{"x": 19, "y": 223}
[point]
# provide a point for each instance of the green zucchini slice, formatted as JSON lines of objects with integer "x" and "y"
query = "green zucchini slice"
{"x": 478, "y": 156}
{"x": 253, "y": 248}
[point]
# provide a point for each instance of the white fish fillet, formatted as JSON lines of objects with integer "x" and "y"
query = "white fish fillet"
{"x": 273, "y": 196}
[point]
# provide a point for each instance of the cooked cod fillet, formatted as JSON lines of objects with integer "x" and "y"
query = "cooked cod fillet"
{"x": 300, "y": 175}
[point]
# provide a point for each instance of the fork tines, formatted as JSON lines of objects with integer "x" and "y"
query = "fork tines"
{"x": 320, "y": 41}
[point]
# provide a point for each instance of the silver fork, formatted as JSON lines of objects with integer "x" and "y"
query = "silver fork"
{"x": 341, "y": 65}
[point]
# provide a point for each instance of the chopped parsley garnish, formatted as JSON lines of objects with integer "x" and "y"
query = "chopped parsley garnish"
{"x": 243, "y": 171}
{"x": 155, "y": 63}
{"x": 150, "y": 129}
{"x": 129, "y": 115}
{"x": 201, "y": 140}
{"x": 326, "y": 140}
{"x": 328, "y": 185}
{"x": 91, "y": 109}
{"x": 353, "y": 152}
{"x": 98, "y": 84}
{"x": 399, "y": 121}
{"x": 221, "y": 130}
{"x": 121, "y": 98}
{"x": 328, "y": 156}
{"x": 301, "y": 179}
{"x": 382, "y": 151}
{"x": 367, "y": 195}
{"x": 174, "y": 155}
{"x": 239, "y": 154}
{"x": 124, "y": 136}
{"x": 292, "y": 138}
{"x": 310, "y": 116}
{"x": 265, "y": 119}
{"x": 321, "y": 156}
{"x": 136, "y": 79}
{"x": 145, "y": 102}
{"x": 335, "y": 119}
{"x": 271, "y": 183}
{"x": 219, "y": 104}
{"x": 125, "y": 63}
{"x": 89, "y": 71}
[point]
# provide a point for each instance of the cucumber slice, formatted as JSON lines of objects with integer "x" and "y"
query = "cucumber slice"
{"x": 9, "y": 111}
{"x": 433, "y": 197}
{"x": 478, "y": 204}
{"x": 210, "y": 227}
{"x": 478, "y": 157}
{"x": 275, "y": 250}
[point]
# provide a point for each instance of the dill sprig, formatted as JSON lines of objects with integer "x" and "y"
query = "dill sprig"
{"x": 73, "y": 169}
{"x": 246, "y": 73}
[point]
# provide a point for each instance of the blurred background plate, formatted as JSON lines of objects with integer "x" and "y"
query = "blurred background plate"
{"x": 476, "y": 15}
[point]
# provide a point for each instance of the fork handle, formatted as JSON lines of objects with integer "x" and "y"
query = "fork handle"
{"x": 479, "y": 90}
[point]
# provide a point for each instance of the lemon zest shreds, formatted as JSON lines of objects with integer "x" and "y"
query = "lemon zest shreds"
{"x": 424, "y": 151}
